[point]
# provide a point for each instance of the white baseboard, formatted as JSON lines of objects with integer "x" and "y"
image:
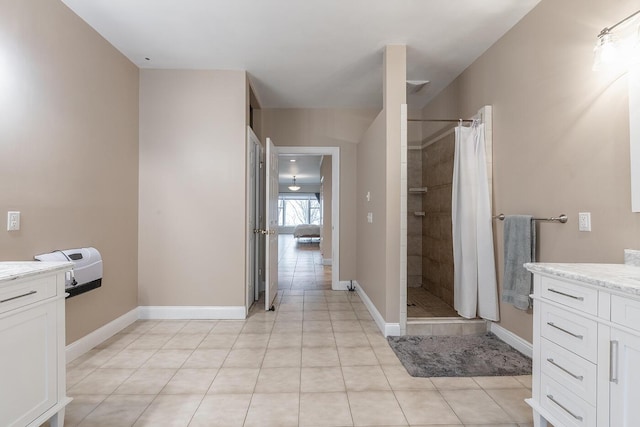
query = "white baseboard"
{"x": 343, "y": 285}
{"x": 326, "y": 261}
{"x": 86, "y": 343}
{"x": 388, "y": 329}
{"x": 512, "y": 339}
{"x": 192, "y": 312}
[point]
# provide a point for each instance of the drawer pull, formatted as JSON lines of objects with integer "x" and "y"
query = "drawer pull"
{"x": 578, "y": 377}
{"x": 577, "y": 417}
{"x": 553, "y": 325}
{"x": 613, "y": 361}
{"x": 19, "y": 296}
{"x": 566, "y": 295}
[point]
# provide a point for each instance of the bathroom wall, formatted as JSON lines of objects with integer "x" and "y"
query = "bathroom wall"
{"x": 560, "y": 134}
{"x": 414, "y": 222}
{"x": 69, "y": 151}
{"x": 437, "y": 243}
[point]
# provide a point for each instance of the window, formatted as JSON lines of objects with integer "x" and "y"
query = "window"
{"x": 295, "y": 209}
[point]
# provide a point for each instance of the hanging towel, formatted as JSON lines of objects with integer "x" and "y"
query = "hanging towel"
{"x": 519, "y": 248}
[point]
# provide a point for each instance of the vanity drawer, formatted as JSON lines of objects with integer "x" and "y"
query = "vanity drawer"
{"x": 625, "y": 312}
{"x": 570, "y": 294}
{"x": 565, "y": 405}
{"x": 570, "y": 331}
{"x": 26, "y": 291}
{"x": 574, "y": 372}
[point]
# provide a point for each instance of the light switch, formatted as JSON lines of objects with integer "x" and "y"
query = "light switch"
{"x": 370, "y": 217}
{"x": 368, "y": 196}
{"x": 13, "y": 221}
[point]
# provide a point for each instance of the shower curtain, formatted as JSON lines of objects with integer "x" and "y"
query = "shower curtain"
{"x": 475, "y": 287}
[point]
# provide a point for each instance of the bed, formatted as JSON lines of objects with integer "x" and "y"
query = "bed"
{"x": 308, "y": 231}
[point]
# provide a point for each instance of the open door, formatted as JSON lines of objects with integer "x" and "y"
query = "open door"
{"x": 271, "y": 221}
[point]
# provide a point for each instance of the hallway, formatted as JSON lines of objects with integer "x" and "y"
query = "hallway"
{"x": 300, "y": 264}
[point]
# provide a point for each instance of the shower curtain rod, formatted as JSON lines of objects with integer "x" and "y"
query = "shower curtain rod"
{"x": 442, "y": 120}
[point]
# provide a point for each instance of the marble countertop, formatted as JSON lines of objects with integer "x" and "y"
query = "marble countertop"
{"x": 11, "y": 270}
{"x": 619, "y": 277}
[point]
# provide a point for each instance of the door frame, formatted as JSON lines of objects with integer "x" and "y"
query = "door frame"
{"x": 334, "y": 152}
{"x": 254, "y": 147}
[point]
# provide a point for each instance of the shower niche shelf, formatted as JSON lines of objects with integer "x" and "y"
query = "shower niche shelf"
{"x": 419, "y": 214}
{"x": 417, "y": 190}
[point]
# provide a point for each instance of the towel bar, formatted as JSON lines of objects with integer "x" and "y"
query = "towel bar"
{"x": 562, "y": 218}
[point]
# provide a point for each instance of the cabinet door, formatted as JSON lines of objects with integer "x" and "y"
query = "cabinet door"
{"x": 624, "y": 375}
{"x": 27, "y": 364}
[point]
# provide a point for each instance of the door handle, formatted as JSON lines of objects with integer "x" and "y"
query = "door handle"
{"x": 613, "y": 361}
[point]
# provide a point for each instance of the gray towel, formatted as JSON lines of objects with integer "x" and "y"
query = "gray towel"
{"x": 519, "y": 248}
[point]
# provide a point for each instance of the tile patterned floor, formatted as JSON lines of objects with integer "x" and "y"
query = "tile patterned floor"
{"x": 318, "y": 360}
{"x": 300, "y": 264}
{"x": 422, "y": 303}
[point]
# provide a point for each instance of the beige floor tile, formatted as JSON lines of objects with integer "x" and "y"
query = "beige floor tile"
{"x": 287, "y": 326}
{"x": 377, "y": 340}
{"x": 425, "y": 407}
{"x": 375, "y": 408}
{"x": 316, "y": 306}
{"x": 228, "y": 327}
{"x": 198, "y": 326}
{"x": 319, "y": 356}
{"x": 315, "y": 298}
{"x": 222, "y": 341}
{"x": 326, "y": 379}
{"x": 206, "y": 358}
{"x": 386, "y": 356}
{"x": 190, "y": 381}
{"x": 458, "y": 383}
{"x": 399, "y": 379}
{"x": 278, "y": 380}
{"x": 285, "y": 341}
{"x": 282, "y": 357}
{"x": 357, "y": 356}
{"x": 475, "y": 406}
{"x": 498, "y": 382}
{"x": 168, "y": 359}
{"x": 118, "y": 341}
{"x": 344, "y": 315}
{"x": 316, "y": 326}
{"x": 173, "y": 410}
{"x": 317, "y": 315}
{"x": 346, "y": 326}
{"x": 75, "y": 375}
{"x": 146, "y": 381}
{"x": 290, "y": 306}
{"x": 168, "y": 327}
{"x": 101, "y": 381}
{"x": 370, "y": 326}
{"x": 234, "y": 380}
{"x": 338, "y": 305}
{"x": 273, "y": 410}
{"x": 244, "y": 358}
{"x": 252, "y": 341}
{"x": 318, "y": 339}
{"x": 498, "y": 425}
{"x": 291, "y": 316}
{"x": 324, "y": 409}
{"x": 94, "y": 358}
{"x": 257, "y": 327}
{"x": 150, "y": 341}
{"x": 185, "y": 341}
{"x": 222, "y": 410}
{"x": 140, "y": 326}
{"x": 362, "y": 378}
{"x": 525, "y": 380}
{"x": 80, "y": 407}
{"x": 512, "y": 401}
{"x": 127, "y": 358}
{"x": 117, "y": 410}
{"x": 351, "y": 339}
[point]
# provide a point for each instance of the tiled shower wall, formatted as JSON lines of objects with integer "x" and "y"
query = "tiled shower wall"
{"x": 437, "y": 246}
{"x": 414, "y": 223}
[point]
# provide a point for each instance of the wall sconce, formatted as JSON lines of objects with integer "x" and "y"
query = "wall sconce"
{"x": 294, "y": 187}
{"x": 610, "y": 50}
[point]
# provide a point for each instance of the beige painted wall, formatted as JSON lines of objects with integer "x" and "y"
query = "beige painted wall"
{"x": 378, "y": 243}
{"x": 341, "y": 128}
{"x": 69, "y": 150}
{"x": 561, "y": 138}
{"x": 192, "y": 187}
{"x": 326, "y": 169}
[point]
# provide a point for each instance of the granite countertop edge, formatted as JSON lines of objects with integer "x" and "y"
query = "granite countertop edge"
{"x": 12, "y": 270}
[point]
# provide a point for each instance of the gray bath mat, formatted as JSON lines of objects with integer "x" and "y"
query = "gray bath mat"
{"x": 464, "y": 356}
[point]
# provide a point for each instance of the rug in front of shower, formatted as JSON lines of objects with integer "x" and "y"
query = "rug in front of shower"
{"x": 459, "y": 356}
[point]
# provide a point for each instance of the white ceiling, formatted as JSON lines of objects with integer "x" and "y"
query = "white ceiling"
{"x": 306, "y": 169}
{"x": 306, "y": 53}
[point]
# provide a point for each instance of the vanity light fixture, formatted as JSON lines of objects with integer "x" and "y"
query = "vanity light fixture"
{"x": 294, "y": 187}
{"x": 610, "y": 50}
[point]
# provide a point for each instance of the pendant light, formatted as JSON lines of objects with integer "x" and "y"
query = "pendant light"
{"x": 294, "y": 187}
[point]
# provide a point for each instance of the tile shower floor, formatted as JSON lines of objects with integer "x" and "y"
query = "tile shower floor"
{"x": 422, "y": 303}
{"x": 318, "y": 360}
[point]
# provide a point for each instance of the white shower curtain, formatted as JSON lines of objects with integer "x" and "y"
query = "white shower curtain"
{"x": 475, "y": 286}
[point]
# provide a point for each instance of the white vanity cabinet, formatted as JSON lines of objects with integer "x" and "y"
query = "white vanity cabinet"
{"x": 586, "y": 345}
{"x": 32, "y": 343}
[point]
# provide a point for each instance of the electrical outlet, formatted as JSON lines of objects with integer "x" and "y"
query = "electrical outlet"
{"x": 13, "y": 221}
{"x": 584, "y": 221}
{"x": 370, "y": 217}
